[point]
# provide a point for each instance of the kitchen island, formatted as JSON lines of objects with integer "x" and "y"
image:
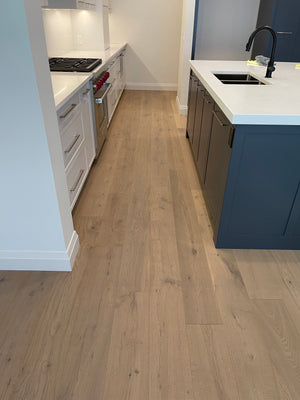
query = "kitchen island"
{"x": 245, "y": 140}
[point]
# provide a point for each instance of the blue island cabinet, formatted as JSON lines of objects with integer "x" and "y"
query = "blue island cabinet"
{"x": 250, "y": 178}
{"x": 261, "y": 206}
{"x": 284, "y": 17}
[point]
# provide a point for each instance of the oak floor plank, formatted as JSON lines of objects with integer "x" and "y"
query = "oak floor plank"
{"x": 213, "y": 374}
{"x": 169, "y": 362}
{"x": 272, "y": 275}
{"x": 127, "y": 373}
{"x": 260, "y": 274}
{"x": 251, "y": 362}
{"x": 198, "y": 292}
{"x": 170, "y": 371}
{"x": 282, "y": 340}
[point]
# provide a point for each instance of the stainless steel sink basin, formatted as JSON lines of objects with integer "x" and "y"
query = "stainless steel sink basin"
{"x": 238, "y": 79}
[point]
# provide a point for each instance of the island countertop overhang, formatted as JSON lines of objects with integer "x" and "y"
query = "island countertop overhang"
{"x": 275, "y": 103}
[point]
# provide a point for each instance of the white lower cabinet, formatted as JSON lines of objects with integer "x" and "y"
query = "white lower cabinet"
{"x": 86, "y": 100}
{"x": 71, "y": 137}
{"x": 75, "y": 122}
{"x": 117, "y": 79}
{"x": 76, "y": 174}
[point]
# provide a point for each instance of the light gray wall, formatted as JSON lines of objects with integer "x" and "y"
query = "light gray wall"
{"x": 224, "y": 27}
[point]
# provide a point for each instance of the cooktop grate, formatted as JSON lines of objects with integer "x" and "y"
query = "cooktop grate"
{"x": 73, "y": 64}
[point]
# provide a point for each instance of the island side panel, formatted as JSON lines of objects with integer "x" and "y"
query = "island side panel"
{"x": 261, "y": 188}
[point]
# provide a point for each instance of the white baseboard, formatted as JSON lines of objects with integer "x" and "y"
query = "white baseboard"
{"x": 172, "y": 87}
{"x": 73, "y": 248}
{"x": 40, "y": 260}
{"x": 182, "y": 108}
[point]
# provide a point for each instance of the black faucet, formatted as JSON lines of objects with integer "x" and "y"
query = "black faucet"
{"x": 270, "y": 67}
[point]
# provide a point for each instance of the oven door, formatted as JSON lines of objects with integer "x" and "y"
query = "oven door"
{"x": 101, "y": 115}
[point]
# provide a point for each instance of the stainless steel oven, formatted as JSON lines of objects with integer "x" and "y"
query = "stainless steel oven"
{"x": 100, "y": 90}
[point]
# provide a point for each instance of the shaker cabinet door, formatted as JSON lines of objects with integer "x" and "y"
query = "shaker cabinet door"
{"x": 191, "y": 106}
{"x": 218, "y": 163}
{"x": 284, "y": 17}
{"x": 205, "y": 136}
{"x": 198, "y": 119}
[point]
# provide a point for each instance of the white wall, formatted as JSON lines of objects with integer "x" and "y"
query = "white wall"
{"x": 224, "y": 28}
{"x": 36, "y": 229}
{"x": 187, "y": 30}
{"x": 58, "y": 31}
{"x": 68, "y": 30}
{"x": 152, "y": 30}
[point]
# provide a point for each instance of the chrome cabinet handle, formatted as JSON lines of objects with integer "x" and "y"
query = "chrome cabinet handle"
{"x": 85, "y": 92}
{"x": 68, "y": 111}
{"x": 72, "y": 144}
{"x": 218, "y": 119}
{"x": 99, "y": 100}
{"x": 77, "y": 181}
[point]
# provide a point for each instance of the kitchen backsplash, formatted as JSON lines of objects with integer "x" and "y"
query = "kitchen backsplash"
{"x": 67, "y": 30}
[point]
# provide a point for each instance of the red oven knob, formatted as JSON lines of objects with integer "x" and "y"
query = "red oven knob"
{"x": 99, "y": 84}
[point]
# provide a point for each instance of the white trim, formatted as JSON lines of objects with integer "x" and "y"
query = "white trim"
{"x": 151, "y": 86}
{"x": 73, "y": 248}
{"x": 182, "y": 108}
{"x": 40, "y": 260}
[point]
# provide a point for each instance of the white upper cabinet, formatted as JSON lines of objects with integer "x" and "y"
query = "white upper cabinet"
{"x": 71, "y": 4}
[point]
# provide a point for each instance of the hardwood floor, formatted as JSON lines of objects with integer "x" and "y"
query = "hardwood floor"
{"x": 151, "y": 311}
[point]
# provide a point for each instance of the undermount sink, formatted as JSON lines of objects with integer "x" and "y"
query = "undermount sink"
{"x": 238, "y": 79}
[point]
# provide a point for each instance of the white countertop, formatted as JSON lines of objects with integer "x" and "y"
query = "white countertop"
{"x": 275, "y": 103}
{"x": 64, "y": 84}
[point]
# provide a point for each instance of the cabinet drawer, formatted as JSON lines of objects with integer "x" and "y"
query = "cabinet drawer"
{"x": 76, "y": 175}
{"x": 66, "y": 112}
{"x": 114, "y": 71}
{"x": 72, "y": 137}
{"x": 111, "y": 102}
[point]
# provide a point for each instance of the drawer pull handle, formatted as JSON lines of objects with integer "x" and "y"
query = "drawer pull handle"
{"x": 218, "y": 119}
{"x": 207, "y": 100}
{"x": 100, "y": 100}
{"x": 230, "y": 137}
{"x": 77, "y": 181}
{"x": 68, "y": 111}
{"x": 85, "y": 92}
{"x": 72, "y": 144}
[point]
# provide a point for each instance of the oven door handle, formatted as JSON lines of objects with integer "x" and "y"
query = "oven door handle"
{"x": 99, "y": 100}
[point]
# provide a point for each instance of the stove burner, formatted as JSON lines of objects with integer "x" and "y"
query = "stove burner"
{"x": 73, "y": 64}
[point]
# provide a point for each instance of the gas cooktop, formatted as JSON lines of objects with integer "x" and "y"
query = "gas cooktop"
{"x": 73, "y": 64}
